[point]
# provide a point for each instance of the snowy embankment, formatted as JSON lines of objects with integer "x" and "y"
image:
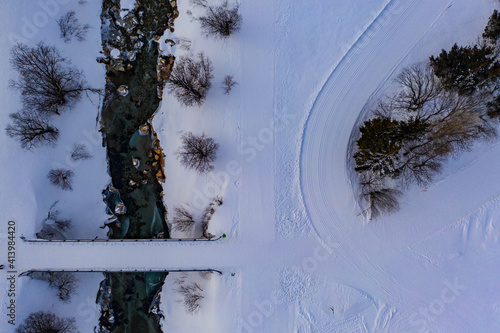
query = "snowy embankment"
{"x": 218, "y": 118}
{"x": 26, "y": 193}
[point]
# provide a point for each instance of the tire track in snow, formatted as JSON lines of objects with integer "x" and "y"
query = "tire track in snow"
{"x": 323, "y": 101}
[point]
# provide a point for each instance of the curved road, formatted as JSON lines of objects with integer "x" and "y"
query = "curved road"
{"x": 378, "y": 264}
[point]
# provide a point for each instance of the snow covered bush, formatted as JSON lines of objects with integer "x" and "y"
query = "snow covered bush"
{"x": 53, "y": 227}
{"x": 31, "y": 129}
{"x": 47, "y": 82}
{"x": 208, "y": 214}
{"x": 221, "y": 21}
{"x": 197, "y": 152}
{"x": 42, "y": 321}
{"x": 69, "y": 27}
{"x": 190, "y": 80}
{"x": 62, "y": 178}
{"x": 64, "y": 282}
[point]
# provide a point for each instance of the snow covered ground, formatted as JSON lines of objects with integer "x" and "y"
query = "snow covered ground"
{"x": 303, "y": 257}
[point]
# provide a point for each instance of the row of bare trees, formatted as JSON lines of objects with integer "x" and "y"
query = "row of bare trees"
{"x": 49, "y": 85}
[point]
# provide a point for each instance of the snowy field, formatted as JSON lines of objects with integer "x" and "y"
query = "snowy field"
{"x": 303, "y": 258}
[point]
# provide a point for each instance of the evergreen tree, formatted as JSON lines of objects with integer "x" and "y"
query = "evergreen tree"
{"x": 377, "y": 147}
{"x": 466, "y": 69}
{"x": 492, "y": 30}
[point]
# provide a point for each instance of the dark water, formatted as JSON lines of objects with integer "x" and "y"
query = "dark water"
{"x": 129, "y": 300}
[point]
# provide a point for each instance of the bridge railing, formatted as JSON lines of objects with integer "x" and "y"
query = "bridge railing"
{"x": 26, "y": 273}
{"x": 104, "y": 240}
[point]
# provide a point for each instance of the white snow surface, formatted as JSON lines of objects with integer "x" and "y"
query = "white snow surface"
{"x": 303, "y": 257}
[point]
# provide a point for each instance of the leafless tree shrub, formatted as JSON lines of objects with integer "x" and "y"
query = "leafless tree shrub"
{"x": 190, "y": 80}
{"x": 64, "y": 282}
{"x": 80, "y": 152}
{"x": 208, "y": 214}
{"x": 47, "y": 82}
{"x": 192, "y": 294}
{"x": 379, "y": 199}
{"x": 42, "y": 321}
{"x": 228, "y": 83}
{"x": 31, "y": 130}
{"x": 419, "y": 86}
{"x": 181, "y": 279}
{"x": 53, "y": 226}
{"x": 183, "y": 220}
{"x": 197, "y": 152}
{"x": 183, "y": 43}
{"x": 70, "y": 27}
{"x": 62, "y": 178}
{"x": 221, "y": 21}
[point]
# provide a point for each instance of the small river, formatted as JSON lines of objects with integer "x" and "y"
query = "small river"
{"x": 130, "y": 301}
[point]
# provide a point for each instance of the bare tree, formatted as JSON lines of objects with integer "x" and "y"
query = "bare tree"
{"x": 47, "y": 82}
{"x": 42, "y": 321}
{"x": 192, "y": 295}
{"x": 379, "y": 199}
{"x": 80, "y": 152}
{"x": 221, "y": 21}
{"x": 228, "y": 83}
{"x": 62, "y": 178}
{"x": 197, "y": 152}
{"x": 69, "y": 27}
{"x": 208, "y": 214}
{"x": 65, "y": 283}
{"x": 31, "y": 130}
{"x": 183, "y": 220}
{"x": 419, "y": 86}
{"x": 190, "y": 80}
